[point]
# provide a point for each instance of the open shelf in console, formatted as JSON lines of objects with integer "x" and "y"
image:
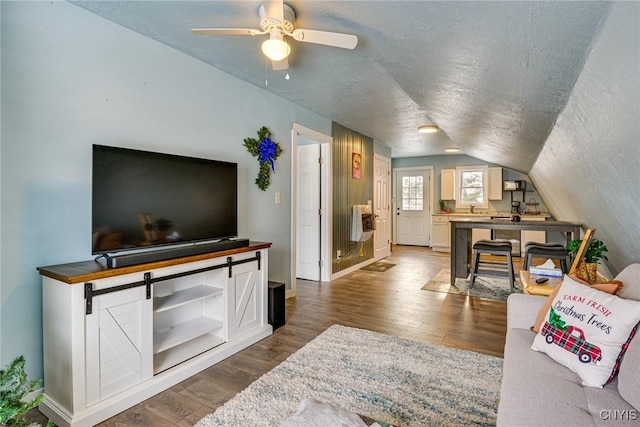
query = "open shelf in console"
{"x": 183, "y": 332}
{"x": 189, "y": 316}
{"x": 185, "y": 296}
{"x": 176, "y": 355}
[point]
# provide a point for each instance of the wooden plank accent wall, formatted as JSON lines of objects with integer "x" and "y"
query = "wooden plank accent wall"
{"x": 348, "y": 191}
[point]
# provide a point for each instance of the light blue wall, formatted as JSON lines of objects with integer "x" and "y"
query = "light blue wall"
{"x": 451, "y": 161}
{"x": 71, "y": 79}
{"x": 381, "y": 149}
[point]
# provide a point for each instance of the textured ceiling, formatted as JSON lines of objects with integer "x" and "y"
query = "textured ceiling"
{"x": 493, "y": 75}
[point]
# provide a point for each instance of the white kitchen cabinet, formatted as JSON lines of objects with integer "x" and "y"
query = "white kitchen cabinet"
{"x": 448, "y": 184}
{"x": 115, "y": 337}
{"x": 440, "y": 233}
{"x": 532, "y": 236}
{"x": 495, "y": 183}
{"x": 480, "y": 234}
{"x": 476, "y": 233}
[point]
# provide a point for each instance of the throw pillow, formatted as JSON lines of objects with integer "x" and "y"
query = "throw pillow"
{"x": 587, "y": 331}
{"x": 612, "y": 287}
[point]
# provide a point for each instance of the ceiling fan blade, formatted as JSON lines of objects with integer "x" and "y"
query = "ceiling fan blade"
{"x": 280, "y": 65}
{"x": 274, "y": 9}
{"x": 345, "y": 41}
{"x": 226, "y": 31}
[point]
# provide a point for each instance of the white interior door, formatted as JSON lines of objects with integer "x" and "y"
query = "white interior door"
{"x": 412, "y": 207}
{"x": 308, "y": 214}
{"x": 382, "y": 206}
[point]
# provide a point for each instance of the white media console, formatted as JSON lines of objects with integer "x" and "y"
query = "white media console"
{"x": 114, "y": 337}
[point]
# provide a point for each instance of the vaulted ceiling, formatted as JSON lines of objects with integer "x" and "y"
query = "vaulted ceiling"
{"x": 494, "y": 76}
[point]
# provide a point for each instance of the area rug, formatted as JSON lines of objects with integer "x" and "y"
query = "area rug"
{"x": 378, "y": 266}
{"x": 485, "y": 287}
{"x": 389, "y": 379}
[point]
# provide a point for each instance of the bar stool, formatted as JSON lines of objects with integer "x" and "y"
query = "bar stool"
{"x": 500, "y": 247}
{"x": 546, "y": 250}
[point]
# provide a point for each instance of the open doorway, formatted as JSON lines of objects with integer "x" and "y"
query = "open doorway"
{"x": 310, "y": 206}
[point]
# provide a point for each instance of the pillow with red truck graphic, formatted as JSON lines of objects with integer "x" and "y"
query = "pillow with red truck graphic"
{"x": 588, "y": 331}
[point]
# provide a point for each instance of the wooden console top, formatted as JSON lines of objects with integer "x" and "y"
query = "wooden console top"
{"x": 84, "y": 271}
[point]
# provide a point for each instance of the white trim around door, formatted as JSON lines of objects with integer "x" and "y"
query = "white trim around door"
{"x": 382, "y": 206}
{"x": 428, "y": 170}
{"x": 301, "y": 134}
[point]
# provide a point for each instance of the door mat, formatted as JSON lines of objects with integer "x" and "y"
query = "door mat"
{"x": 485, "y": 287}
{"x": 378, "y": 266}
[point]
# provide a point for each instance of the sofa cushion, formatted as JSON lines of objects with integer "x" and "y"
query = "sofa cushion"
{"x": 586, "y": 330}
{"x": 608, "y": 408}
{"x": 612, "y": 287}
{"x": 630, "y": 276}
{"x": 536, "y": 390}
{"x": 629, "y": 376}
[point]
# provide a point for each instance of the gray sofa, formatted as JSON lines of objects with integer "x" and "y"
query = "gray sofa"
{"x": 537, "y": 391}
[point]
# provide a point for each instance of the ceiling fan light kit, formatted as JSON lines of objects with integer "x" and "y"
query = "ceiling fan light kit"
{"x": 276, "y": 19}
{"x": 276, "y": 49}
{"x": 428, "y": 129}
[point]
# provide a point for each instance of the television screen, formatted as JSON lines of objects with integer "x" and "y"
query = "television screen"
{"x": 142, "y": 199}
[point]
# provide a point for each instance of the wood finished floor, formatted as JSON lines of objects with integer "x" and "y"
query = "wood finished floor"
{"x": 390, "y": 302}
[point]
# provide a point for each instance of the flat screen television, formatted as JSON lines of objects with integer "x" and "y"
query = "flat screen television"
{"x": 143, "y": 199}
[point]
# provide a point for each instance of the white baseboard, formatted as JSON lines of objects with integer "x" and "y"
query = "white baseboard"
{"x": 352, "y": 269}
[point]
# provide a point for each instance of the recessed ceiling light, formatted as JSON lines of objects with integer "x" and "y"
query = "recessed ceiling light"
{"x": 428, "y": 129}
{"x": 451, "y": 150}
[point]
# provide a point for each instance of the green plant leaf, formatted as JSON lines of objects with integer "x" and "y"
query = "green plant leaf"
{"x": 14, "y": 387}
{"x": 594, "y": 253}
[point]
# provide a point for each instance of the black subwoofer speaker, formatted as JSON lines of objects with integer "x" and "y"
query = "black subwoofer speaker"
{"x": 276, "y": 313}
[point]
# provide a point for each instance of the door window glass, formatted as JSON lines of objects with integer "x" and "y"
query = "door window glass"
{"x": 412, "y": 193}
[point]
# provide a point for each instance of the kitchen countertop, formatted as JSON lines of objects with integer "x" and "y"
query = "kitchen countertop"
{"x": 507, "y": 214}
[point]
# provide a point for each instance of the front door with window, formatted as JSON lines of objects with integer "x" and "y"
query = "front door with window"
{"x": 412, "y": 207}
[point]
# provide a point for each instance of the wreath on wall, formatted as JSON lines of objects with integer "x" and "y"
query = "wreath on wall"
{"x": 267, "y": 151}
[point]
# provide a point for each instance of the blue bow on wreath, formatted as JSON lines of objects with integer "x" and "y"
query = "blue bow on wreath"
{"x": 268, "y": 152}
{"x": 264, "y": 149}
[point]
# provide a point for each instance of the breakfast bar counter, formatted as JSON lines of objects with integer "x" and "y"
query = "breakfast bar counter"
{"x": 461, "y": 237}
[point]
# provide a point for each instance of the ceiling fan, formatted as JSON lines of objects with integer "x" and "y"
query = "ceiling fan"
{"x": 276, "y": 19}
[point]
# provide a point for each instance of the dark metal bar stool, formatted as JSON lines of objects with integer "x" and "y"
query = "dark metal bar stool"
{"x": 500, "y": 247}
{"x": 546, "y": 250}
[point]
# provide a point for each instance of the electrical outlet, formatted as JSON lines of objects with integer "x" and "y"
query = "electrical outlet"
{"x": 338, "y": 254}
